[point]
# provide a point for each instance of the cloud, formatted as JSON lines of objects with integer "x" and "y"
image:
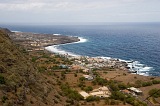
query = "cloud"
{"x": 79, "y": 10}
{"x": 57, "y": 5}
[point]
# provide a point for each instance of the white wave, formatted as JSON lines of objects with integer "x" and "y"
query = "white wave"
{"x": 55, "y": 49}
{"x": 143, "y": 74}
{"x": 15, "y": 31}
{"x": 134, "y": 66}
{"x": 107, "y": 58}
{"x": 140, "y": 68}
{"x": 145, "y": 69}
{"x": 56, "y": 34}
{"x": 82, "y": 40}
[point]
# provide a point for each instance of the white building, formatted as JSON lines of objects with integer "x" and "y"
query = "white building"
{"x": 84, "y": 94}
{"x": 88, "y": 77}
{"x": 101, "y": 92}
{"x": 135, "y": 90}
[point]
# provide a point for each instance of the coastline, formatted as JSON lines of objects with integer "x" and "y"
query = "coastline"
{"x": 54, "y": 48}
{"x": 56, "y": 71}
{"x": 58, "y": 40}
{"x": 131, "y": 66}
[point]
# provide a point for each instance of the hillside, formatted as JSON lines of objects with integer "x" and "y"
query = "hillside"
{"x": 40, "y": 78}
{"x": 23, "y": 81}
{"x": 17, "y": 74}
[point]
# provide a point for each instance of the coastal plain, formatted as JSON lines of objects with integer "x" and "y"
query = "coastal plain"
{"x": 62, "y": 76}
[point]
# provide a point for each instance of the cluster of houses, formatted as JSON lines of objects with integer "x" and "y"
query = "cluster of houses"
{"x": 132, "y": 91}
{"x": 104, "y": 92}
{"x": 101, "y": 92}
{"x": 86, "y": 63}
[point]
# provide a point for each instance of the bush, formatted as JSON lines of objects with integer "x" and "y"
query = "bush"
{"x": 114, "y": 87}
{"x": 138, "y": 83}
{"x": 81, "y": 84}
{"x": 82, "y": 79}
{"x": 34, "y": 59}
{"x": 72, "y": 94}
{"x": 113, "y": 102}
{"x": 118, "y": 95}
{"x": 92, "y": 98}
{"x": 144, "y": 84}
{"x": 89, "y": 88}
{"x": 154, "y": 92}
{"x": 4, "y": 98}
{"x": 107, "y": 101}
{"x": 63, "y": 74}
{"x": 71, "y": 101}
{"x": 122, "y": 86}
{"x": 2, "y": 80}
{"x": 45, "y": 56}
{"x": 42, "y": 69}
{"x": 156, "y": 81}
{"x": 75, "y": 75}
{"x": 101, "y": 81}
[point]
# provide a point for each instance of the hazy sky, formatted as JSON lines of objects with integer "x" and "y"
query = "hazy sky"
{"x": 50, "y": 11}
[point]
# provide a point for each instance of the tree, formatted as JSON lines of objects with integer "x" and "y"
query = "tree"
{"x": 2, "y": 80}
{"x": 122, "y": 86}
{"x": 154, "y": 92}
{"x": 82, "y": 78}
{"x": 156, "y": 81}
{"x": 114, "y": 87}
{"x": 146, "y": 84}
{"x": 107, "y": 102}
{"x": 89, "y": 88}
{"x": 75, "y": 74}
{"x": 92, "y": 98}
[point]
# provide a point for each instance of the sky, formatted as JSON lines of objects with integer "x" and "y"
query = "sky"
{"x": 79, "y": 11}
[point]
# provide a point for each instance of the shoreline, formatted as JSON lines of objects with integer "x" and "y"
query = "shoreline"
{"x": 52, "y": 46}
{"x": 54, "y": 49}
{"x": 133, "y": 67}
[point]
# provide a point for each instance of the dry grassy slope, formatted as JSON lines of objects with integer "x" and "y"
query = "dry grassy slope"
{"x": 20, "y": 76}
{"x": 23, "y": 84}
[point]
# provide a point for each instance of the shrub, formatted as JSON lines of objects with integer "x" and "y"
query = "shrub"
{"x": 156, "y": 81}
{"x": 101, "y": 81}
{"x": 118, "y": 95}
{"x": 92, "y": 98}
{"x": 34, "y": 59}
{"x": 154, "y": 92}
{"x": 107, "y": 102}
{"x": 89, "y": 88}
{"x": 82, "y": 79}
{"x": 42, "y": 69}
{"x": 75, "y": 75}
{"x": 146, "y": 84}
{"x": 2, "y": 80}
{"x": 72, "y": 94}
{"x": 138, "y": 83}
{"x": 4, "y": 98}
{"x": 122, "y": 86}
{"x": 114, "y": 87}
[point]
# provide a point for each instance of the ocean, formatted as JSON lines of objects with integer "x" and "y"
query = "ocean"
{"x": 138, "y": 42}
